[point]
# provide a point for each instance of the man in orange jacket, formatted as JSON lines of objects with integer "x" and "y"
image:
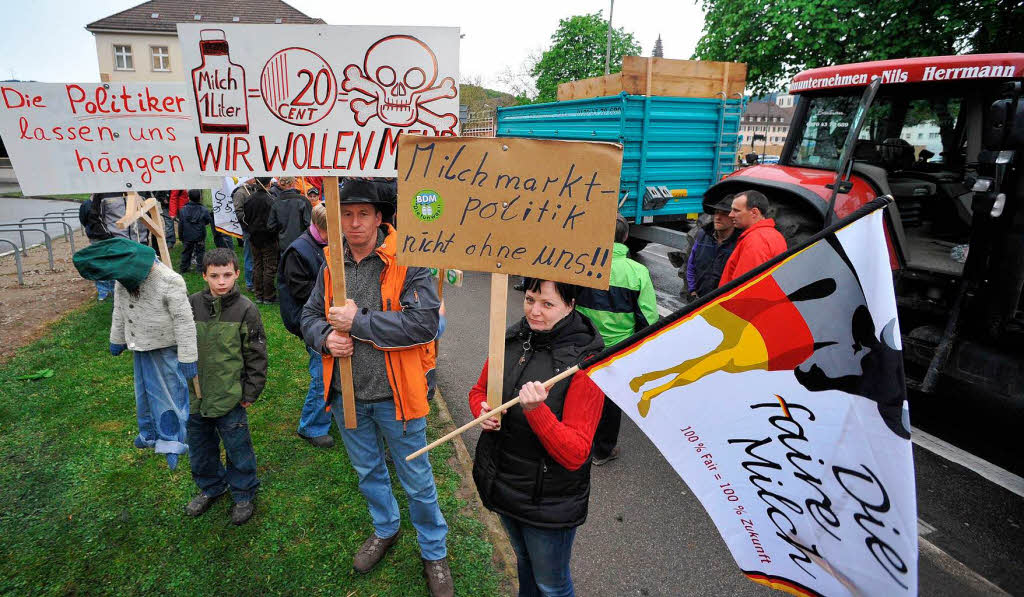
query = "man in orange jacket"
{"x": 759, "y": 240}
{"x": 387, "y": 326}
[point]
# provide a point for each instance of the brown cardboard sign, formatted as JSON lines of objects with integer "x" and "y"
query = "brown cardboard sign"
{"x": 529, "y": 207}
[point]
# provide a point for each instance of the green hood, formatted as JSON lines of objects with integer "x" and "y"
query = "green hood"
{"x": 119, "y": 259}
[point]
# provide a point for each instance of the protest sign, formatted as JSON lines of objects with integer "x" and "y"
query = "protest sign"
{"x": 99, "y": 137}
{"x": 317, "y": 99}
{"x": 224, "y": 217}
{"x": 512, "y": 206}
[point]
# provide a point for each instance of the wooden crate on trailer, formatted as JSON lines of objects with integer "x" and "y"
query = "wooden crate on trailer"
{"x": 662, "y": 77}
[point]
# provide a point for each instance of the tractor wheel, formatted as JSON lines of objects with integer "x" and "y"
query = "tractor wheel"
{"x": 636, "y": 245}
{"x": 796, "y": 224}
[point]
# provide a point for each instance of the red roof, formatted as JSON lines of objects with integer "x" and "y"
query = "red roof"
{"x": 911, "y": 70}
{"x": 163, "y": 16}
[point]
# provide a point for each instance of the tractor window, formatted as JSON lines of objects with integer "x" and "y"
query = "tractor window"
{"x": 828, "y": 121}
{"x": 900, "y": 133}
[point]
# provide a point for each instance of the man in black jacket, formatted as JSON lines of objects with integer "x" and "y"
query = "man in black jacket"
{"x": 712, "y": 247}
{"x": 291, "y": 214}
{"x": 258, "y": 210}
{"x": 300, "y": 266}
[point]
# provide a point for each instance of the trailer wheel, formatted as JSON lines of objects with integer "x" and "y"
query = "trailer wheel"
{"x": 795, "y": 223}
{"x": 636, "y": 245}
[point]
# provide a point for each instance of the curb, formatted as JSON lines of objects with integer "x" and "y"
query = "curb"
{"x": 499, "y": 540}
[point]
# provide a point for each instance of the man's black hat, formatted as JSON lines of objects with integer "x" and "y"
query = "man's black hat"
{"x": 724, "y": 204}
{"x": 364, "y": 191}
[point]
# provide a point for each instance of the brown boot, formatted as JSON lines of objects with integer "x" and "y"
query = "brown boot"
{"x": 372, "y": 552}
{"x": 439, "y": 578}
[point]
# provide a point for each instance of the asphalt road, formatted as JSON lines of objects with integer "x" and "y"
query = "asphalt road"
{"x": 648, "y": 535}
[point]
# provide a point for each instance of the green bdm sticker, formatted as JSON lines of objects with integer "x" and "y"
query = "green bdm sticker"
{"x": 427, "y": 205}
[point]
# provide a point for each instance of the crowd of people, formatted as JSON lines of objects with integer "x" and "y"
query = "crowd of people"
{"x": 532, "y": 466}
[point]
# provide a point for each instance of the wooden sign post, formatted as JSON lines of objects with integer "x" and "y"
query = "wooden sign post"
{"x": 337, "y": 265}
{"x": 496, "y": 340}
{"x": 149, "y": 212}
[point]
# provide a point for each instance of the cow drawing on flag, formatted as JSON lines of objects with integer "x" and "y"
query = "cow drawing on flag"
{"x": 782, "y": 322}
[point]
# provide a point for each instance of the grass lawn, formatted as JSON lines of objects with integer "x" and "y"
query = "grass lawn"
{"x": 79, "y": 197}
{"x": 84, "y": 512}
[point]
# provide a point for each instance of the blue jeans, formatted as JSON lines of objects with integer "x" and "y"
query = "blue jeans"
{"x": 211, "y": 476}
{"x": 542, "y": 558}
{"x": 314, "y": 420}
{"x": 161, "y": 400}
{"x": 104, "y": 289}
{"x": 365, "y": 445}
{"x": 247, "y": 263}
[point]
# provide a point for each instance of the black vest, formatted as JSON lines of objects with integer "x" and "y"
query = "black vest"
{"x": 513, "y": 472}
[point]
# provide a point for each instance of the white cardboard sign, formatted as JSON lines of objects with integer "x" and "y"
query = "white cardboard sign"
{"x": 316, "y": 99}
{"x": 99, "y": 137}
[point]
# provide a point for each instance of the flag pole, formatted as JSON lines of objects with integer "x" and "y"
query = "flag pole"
{"x": 491, "y": 413}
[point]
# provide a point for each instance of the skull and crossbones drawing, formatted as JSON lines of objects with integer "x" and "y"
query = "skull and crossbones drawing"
{"x": 398, "y": 73}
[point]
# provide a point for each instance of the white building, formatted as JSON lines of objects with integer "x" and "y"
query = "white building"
{"x": 141, "y": 43}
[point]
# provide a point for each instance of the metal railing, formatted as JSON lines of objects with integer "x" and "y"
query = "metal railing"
{"x": 22, "y": 229}
{"x": 69, "y": 232}
{"x": 17, "y": 260}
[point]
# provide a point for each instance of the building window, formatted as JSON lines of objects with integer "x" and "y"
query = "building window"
{"x": 161, "y": 59}
{"x": 123, "y": 58}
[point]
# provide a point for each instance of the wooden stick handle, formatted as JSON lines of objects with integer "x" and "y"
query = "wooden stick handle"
{"x": 337, "y": 265}
{"x": 195, "y": 384}
{"x": 437, "y": 442}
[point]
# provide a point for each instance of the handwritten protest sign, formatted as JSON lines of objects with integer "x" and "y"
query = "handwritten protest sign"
{"x": 224, "y": 216}
{"x": 96, "y": 137}
{"x": 317, "y": 99}
{"x": 511, "y": 206}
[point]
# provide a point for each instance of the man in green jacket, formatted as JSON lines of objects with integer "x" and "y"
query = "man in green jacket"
{"x": 628, "y": 306}
{"x": 232, "y": 373}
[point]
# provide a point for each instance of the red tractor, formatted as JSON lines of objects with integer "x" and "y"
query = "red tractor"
{"x": 944, "y": 136}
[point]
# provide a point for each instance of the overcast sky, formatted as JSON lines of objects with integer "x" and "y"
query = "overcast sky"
{"x": 45, "y": 40}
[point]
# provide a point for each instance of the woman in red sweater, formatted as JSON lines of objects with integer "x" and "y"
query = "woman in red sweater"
{"x": 533, "y": 468}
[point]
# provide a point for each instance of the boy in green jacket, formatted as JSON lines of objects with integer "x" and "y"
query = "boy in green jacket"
{"x": 232, "y": 373}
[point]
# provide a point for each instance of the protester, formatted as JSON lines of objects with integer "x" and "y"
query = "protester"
{"x": 232, "y": 373}
{"x": 533, "y": 467}
{"x": 151, "y": 318}
{"x": 95, "y": 232}
{"x": 758, "y": 242}
{"x": 193, "y": 219}
{"x": 107, "y": 209}
{"x": 711, "y": 249}
{"x": 300, "y": 265}
{"x": 238, "y": 198}
{"x": 387, "y": 326}
{"x": 178, "y": 200}
{"x": 258, "y": 208}
{"x": 628, "y": 306}
{"x": 291, "y": 213}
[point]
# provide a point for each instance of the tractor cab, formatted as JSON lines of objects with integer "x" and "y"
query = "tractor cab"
{"x": 944, "y": 136}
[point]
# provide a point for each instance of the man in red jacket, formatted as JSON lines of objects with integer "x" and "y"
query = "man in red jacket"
{"x": 758, "y": 242}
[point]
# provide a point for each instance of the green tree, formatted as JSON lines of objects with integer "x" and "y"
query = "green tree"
{"x": 779, "y": 38}
{"x": 577, "y": 52}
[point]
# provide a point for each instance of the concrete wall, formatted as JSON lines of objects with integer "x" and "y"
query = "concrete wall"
{"x": 142, "y": 57}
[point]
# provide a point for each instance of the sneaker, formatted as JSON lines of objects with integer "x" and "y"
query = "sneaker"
{"x": 599, "y": 461}
{"x": 439, "y": 578}
{"x": 320, "y": 441}
{"x": 372, "y": 551}
{"x": 241, "y": 512}
{"x": 140, "y": 443}
{"x": 200, "y": 504}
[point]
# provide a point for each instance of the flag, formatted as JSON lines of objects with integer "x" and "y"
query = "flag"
{"x": 780, "y": 400}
